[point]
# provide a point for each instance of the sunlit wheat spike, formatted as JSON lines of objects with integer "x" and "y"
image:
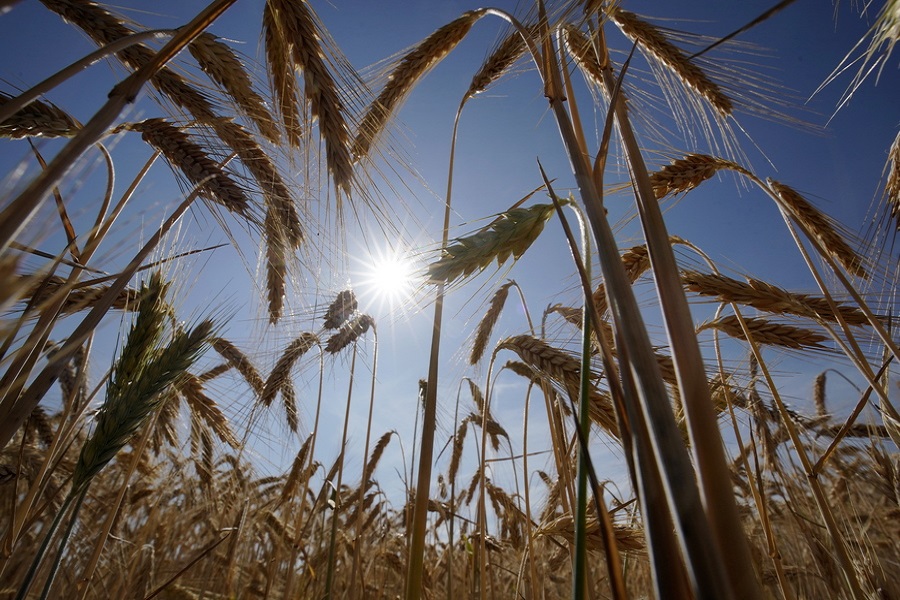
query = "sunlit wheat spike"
{"x": 458, "y": 442}
{"x": 276, "y": 264}
{"x": 296, "y": 476}
{"x": 821, "y": 227}
{"x": 767, "y": 297}
{"x": 819, "y": 395}
{"x": 38, "y": 119}
{"x": 289, "y": 400}
{"x": 500, "y": 61}
{"x": 510, "y": 234}
{"x": 584, "y": 53}
{"x": 128, "y": 404}
{"x": 892, "y": 186}
{"x": 486, "y": 326}
{"x": 194, "y": 163}
{"x": 405, "y": 76}
{"x": 282, "y": 370}
{"x": 543, "y": 357}
{"x": 78, "y": 298}
{"x": 627, "y": 539}
{"x": 39, "y": 421}
{"x": 205, "y": 408}
{"x": 224, "y": 67}
{"x": 240, "y": 362}
{"x": 349, "y": 333}
{"x": 281, "y": 76}
{"x": 684, "y": 174}
{"x": 343, "y": 307}
{"x": 376, "y": 455}
{"x": 768, "y": 332}
{"x": 278, "y": 196}
{"x": 301, "y": 32}
{"x": 654, "y": 41}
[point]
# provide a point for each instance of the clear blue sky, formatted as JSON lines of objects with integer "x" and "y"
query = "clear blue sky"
{"x": 502, "y": 134}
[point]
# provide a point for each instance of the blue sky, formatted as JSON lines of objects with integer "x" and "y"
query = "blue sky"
{"x": 503, "y": 132}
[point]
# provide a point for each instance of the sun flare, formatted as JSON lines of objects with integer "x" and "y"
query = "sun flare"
{"x": 390, "y": 278}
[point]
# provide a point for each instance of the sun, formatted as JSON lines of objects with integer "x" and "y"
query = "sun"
{"x": 388, "y": 277}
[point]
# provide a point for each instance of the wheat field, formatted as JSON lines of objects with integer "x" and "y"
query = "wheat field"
{"x": 278, "y": 322}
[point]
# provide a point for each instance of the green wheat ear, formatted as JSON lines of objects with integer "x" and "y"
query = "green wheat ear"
{"x": 510, "y": 234}
{"x": 142, "y": 373}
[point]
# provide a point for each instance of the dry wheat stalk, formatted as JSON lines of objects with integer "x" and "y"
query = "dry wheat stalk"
{"x": 349, "y": 333}
{"x": 240, "y": 362}
{"x": 660, "y": 48}
{"x": 819, "y": 226}
{"x": 486, "y": 325}
{"x": 282, "y": 370}
{"x": 686, "y": 173}
{"x": 297, "y": 25}
{"x": 343, "y": 307}
{"x": 38, "y": 119}
{"x": 224, "y": 67}
{"x": 193, "y": 162}
{"x": 510, "y": 234}
{"x": 405, "y": 76}
{"x": 767, "y": 297}
{"x": 768, "y": 332}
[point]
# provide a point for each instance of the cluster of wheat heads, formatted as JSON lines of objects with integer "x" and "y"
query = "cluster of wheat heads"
{"x": 729, "y": 490}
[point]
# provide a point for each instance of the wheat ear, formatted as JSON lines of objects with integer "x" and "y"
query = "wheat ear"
{"x": 194, "y": 163}
{"x": 510, "y": 234}
{"x": 486, "y": 325}
{"x": 349, "y": 333}
{"x": 301, "y": 35}
{"x": 224, "y": 67}
{"x": 684, "y": 174}
{"x": 892, "y": 186}
{"x": 405, "y": 76}
{"x": 38, "y": 119}
{"x": 769, "y": 298}
{"x": 583, "y": 52}
{"x": 341, "y": 309}
{"x": 654, "y": 41}
{"x": 282, "y": 370}
{"x": 820, "y": 227}
{"x": 767, "y": 332}
{"x": 240, "y": 362}
{"x": 500, "y": 61}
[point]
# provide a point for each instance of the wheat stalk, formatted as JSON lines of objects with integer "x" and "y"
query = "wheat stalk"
{"x": 214, "y": 183}
{"x": 767, "y": 332}
{"x": 820, "y": 227}
{"x": 224, "y": 67}
{"x": 38, "y": 119}
{"x": 654, "y": 41}
{"x": 406, "y": 74}
{"x": 510, "y": 234}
